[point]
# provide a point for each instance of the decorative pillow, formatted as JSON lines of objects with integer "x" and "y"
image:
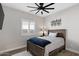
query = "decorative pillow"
{"x": 52, "y": 34}
{"x": 59, "y": 35}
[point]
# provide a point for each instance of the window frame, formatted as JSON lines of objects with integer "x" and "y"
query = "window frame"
{"x": 29, "y": 30}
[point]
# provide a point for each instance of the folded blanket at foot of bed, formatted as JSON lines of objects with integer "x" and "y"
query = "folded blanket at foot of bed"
{"x": 39, "y": 41}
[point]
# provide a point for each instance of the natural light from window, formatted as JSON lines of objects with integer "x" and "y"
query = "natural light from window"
{"x": 25, "y": 25}
{"x": 28, "y": 26}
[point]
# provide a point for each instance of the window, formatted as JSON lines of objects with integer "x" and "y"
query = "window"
{"x": 28, "y": 26}
{"x": 32, "y": 26}
{"x": 25, "y": 25}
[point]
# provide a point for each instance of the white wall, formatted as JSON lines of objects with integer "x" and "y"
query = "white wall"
{"x": 70, "y": 21}
{"x": 10, "y": 35}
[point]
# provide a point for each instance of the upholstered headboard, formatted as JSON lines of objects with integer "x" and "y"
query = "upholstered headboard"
{"x": 61, "y": 32}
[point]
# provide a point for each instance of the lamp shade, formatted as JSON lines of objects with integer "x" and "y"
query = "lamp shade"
{"x": 45, "y": 33}
{"x": 41, "y": 33}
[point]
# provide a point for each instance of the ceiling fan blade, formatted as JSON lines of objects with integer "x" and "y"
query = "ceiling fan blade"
{"x": 37, "y": 4}
{"x": 49, "y": 5}
{"x": 49, "y": 8}
{"x": 31, "y": 7}
{"x": 42, "y": 12}
{"x": 45, "y": 11}
{"x": 37, "y": 11}
{"x": 33, "y": 10}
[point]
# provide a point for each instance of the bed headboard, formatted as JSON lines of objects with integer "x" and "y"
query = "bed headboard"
{"x": 62, "y": 31}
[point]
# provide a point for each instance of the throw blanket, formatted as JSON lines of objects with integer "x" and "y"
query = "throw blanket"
{"x": 39, "y": 41}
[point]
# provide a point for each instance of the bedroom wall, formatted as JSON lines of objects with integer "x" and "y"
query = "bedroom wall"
{"x": 70, "y": 21}
{"x": 10, "y": 35}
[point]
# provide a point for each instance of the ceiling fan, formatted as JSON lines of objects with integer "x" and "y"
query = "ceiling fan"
{"x": 41, "y": 7}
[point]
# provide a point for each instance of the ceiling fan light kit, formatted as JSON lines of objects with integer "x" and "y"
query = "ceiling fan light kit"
{"x": 41, "y": 7}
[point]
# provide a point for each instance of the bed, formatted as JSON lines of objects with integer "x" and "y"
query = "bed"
{"x": 56, "y": 45}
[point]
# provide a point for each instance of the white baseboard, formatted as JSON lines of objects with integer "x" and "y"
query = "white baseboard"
{"x": 72, "y": 50}
{"x": 12, "y": 49}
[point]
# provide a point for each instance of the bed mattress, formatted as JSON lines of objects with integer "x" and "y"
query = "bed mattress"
{"x": 56, "y": 42}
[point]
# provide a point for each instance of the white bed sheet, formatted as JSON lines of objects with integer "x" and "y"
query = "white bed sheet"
{"x": 56, "y": 42}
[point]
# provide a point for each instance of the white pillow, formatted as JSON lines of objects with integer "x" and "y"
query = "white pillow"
{"x": 52, "y": 34}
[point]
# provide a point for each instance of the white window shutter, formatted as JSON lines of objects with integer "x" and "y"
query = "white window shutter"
{"x": 25, "y": 25}
{"x": 32, "y": 26}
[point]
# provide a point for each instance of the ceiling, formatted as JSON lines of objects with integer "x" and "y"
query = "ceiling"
{"x": 22, "y": 7}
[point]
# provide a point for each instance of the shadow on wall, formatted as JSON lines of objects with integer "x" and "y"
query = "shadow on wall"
{"x": 74, "y": 45}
